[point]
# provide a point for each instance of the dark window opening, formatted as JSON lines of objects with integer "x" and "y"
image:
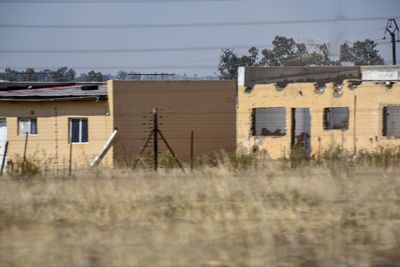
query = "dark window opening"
{"x": 336, "y": 118}
{"x": 269, "y": 121}
{"x": 79, "y": 130}
{"x": 391, "y": 121}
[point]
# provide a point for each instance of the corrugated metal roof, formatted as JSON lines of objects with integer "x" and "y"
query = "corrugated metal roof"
{"x": 48, "y": 92}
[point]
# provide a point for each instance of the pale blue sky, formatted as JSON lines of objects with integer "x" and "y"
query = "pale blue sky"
{"x": 201, "y": 62}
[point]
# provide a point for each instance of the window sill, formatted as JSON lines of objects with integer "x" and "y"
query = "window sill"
{"x": 341, "y": 130}
{"x": 392, "y": 137}
{"x": 269, "y": 136}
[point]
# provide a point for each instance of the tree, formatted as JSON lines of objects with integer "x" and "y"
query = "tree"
{"x": 282, "y": 53}
{"x": 361, "y": 53}
{"x": 45, "y": 75}
{"x": 122, "y": 75}
{"x": 70, "y": 75}
{"x": 63, "y": 75}
{"x": 10, "y": 74}
{"x": 285, "y": 52}
{"x": 58, "y": 75}
{"x": 93, "y": 76}
{"x": 29, "y": 75}
{"x": 229, "y": 62}
{"x": 288, "y": 52}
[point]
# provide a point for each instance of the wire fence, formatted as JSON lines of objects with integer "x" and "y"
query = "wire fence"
{"x": 213, "y": 131}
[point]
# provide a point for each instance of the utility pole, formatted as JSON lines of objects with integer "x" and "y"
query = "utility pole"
{"x": 392, "y": 28}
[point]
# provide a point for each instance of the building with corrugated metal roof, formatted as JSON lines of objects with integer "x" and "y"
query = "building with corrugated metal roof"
{"x": 56, "y": 122}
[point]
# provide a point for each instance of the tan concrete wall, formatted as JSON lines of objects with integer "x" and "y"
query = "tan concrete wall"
{"x": 51, "y": 143}
{"x": 206, "y": 107}
{"x": 366, "y": 133}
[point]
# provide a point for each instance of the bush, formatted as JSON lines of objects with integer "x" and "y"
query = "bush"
{"x": 20, "y": 168}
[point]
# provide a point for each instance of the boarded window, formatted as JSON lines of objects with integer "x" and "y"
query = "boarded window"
{"x": 78, "y": 130}
{"x": 391, "y": 121}
{"x": 336, "y": 118}
{"x": 27, "y": 126}
{"x": 269, "y": 121}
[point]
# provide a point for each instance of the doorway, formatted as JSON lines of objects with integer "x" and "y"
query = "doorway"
{"x": 301, "y": 131}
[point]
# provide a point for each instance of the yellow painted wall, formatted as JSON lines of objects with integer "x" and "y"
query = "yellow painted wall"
{"x": 206, "y": 107}
{"x": 365, "y": 134}
{"x": 51, "y": 143}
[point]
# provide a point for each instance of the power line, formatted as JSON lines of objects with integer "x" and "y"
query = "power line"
{"x": 112, "y": 1}
{"x": 118, "y": 67}
{"x": 177, "y": 65}
{"x": 187, "y": 25}
{"x": 135, "y": 50}
{"x": 370, "y": 30}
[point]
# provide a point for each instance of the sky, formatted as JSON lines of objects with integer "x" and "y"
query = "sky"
{"x": 147, "y": 35}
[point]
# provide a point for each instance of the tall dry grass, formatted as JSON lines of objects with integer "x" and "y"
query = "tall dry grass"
{"x": 311, "y": 216}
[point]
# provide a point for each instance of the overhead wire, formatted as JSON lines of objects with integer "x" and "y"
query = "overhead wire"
{"x": 111, "y": 1}
{"x": 133, "y": 50}
{"x": 188, "y": 25}
{"x": 195, "y": 67}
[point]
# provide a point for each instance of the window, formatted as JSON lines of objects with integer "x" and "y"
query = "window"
{"x": 27, "y": 126}
{"x": 391, "y": 121}
{"x": 269, "y": 121}
{"x": 78, "y": 130}
{"x": 336, "y": 118}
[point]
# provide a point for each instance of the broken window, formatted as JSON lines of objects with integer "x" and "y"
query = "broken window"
{"x": 336, "y": 118}
{"x": 269, "y": 121}
{"x": 391, "y": 121}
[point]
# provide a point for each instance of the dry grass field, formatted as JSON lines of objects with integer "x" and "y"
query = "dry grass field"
{"x": 309, "y": 216}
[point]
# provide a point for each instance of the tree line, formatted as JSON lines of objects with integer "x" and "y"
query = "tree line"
{"x": 63, "y": 74}
{"x": 287, "y": 52}
{"x": 66, "y": 74}
{"x": 284, "y": 52}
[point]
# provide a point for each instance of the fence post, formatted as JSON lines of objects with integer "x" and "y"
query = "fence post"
{"x": 155, "y": 138}
{"x": 70, "y": 158}
{"x": 3, "y": 162}
{"x": 191, "y": 149}
{"x": 354, "y": 126}
{"x": 25, "y": 148}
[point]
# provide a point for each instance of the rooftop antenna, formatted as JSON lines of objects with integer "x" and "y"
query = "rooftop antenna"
{"x": 392, "y": 28}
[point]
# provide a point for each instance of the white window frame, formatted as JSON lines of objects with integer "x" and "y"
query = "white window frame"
{"x": 30, "y": 125}
{"x": 80, "y": 130}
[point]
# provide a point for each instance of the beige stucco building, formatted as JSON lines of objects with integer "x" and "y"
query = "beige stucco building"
{"x": 56, "y": 120}
{"x": 273, "y": 109}
{"x": 75, "y": 121}
{"x": 315, "y": 108}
